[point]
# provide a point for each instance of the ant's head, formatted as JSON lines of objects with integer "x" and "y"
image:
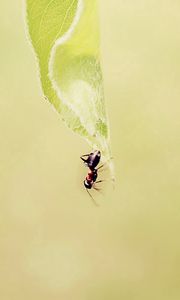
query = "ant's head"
{"x": 87, "y": 184}
{"x": 98, "y": 153}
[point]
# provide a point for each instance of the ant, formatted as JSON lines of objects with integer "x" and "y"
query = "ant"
{"x": 91, "y": 162}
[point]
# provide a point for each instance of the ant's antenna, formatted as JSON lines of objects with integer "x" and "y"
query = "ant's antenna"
{"x": 105, "y": 163}
{"x": 92, "y": 198}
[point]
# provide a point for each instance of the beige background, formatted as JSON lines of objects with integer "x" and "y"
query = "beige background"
{"x": 54, "y": 244}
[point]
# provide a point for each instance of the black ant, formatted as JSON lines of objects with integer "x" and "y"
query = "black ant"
{"x": 91, "y": 162}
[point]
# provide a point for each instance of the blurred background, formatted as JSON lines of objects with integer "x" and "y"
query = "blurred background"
{"x": 54, "y": 243}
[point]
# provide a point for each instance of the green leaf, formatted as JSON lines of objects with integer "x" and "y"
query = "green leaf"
{"x": 65, "y": 37}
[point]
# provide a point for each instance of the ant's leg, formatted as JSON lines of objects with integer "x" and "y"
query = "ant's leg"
{"x": 112, "y": 179}
{"x": 95, "y": 187}
{"x": 85, "y": 155}
{"x": 98, "y": 189}
{"x": 101, "y": 166}
{"x": 92, "y": 198}
{"x": 84, "y": 160}
{"x": 104, "y": 163}
{"x": 100, "y": 181}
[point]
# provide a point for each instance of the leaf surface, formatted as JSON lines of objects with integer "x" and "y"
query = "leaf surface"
{"x": 65, "y": 37}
